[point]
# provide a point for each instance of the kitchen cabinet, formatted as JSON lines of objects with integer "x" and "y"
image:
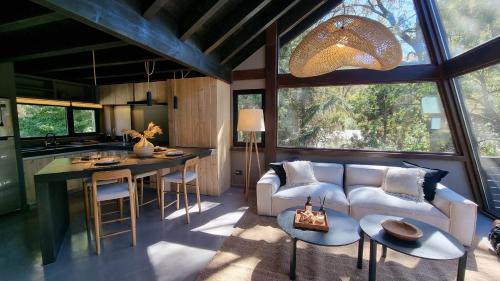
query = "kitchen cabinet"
{"x": 34, "y": 164}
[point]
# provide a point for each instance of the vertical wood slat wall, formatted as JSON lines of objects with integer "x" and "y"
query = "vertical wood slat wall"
{"x": 202, "y": 119}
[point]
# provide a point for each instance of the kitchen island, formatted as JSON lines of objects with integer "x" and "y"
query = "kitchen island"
{"x": 52, "y": 193}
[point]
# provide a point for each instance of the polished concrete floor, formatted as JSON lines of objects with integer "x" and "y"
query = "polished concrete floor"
{"x": 166, "y": 250}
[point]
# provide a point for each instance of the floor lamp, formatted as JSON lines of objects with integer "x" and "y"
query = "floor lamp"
{"x": 250, "y": 121}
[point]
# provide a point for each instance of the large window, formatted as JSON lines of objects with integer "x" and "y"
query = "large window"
{"x": 481, "y": 95}
{"x": 469, "y": 23}
{"x": 39, "y": 120}
{"x": 84, "y": 121}
{"x": 399, "y": 16}
{"x": 385, "y": 117}
{"x": 246, "y": 99}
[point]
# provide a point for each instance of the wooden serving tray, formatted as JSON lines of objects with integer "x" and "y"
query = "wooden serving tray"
{"x": 310, "y": 226}
{"x": 402, "y": 230}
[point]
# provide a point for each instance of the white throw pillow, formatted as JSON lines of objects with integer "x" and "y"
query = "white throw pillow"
{"x": 299, "y": 173}
{"x": 405, "y": 183}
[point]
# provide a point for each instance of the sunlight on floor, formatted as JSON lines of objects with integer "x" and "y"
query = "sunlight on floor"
{"x": 163, "y": 254}
{"x": 205, "y": 206}
{"x": 222, "y": 225}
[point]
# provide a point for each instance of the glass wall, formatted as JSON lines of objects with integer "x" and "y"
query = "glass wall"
{"x": 399, "y": 16}
{"x": 469, "y": 23}
{"x": 39, "y": 120}
{"x": 383, "y": 117}
{"x": 84, "y": 121}
{"x": 246, "y": 99}
{"x": 481, "y": 96}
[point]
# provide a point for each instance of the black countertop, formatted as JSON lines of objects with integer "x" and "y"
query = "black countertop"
{"x": 65, "y": 148}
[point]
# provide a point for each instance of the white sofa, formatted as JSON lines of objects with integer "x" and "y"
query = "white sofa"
{"x": 357, "y": 192}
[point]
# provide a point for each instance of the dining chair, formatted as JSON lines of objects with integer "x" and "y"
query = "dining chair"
{"x": 187, "y": 173}
{"x": 112, "y": 191}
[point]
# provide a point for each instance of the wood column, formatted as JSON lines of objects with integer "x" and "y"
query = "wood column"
{"x": 271, "y": 109}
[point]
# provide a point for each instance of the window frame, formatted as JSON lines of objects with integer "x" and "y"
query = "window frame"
{"x": 236, "y": 94}
{"x": 457, "y": 154}
{"x": 69, "y": 122}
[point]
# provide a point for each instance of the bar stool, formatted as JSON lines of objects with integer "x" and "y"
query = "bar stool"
{"x": 188, "y": 173}
{"x": 87, "y": 199}
{"x": 140, "y": 187}
{"x": 112, "y": 191}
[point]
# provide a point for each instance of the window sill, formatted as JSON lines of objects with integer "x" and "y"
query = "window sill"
{"x": 368, "y": 153}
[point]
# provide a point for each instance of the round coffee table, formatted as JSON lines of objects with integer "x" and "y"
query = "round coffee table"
{"x": 344, "y": 230}
{"x": 435, "y": 244}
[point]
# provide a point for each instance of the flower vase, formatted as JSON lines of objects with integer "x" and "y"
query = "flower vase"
{"x": 144, "y": 148}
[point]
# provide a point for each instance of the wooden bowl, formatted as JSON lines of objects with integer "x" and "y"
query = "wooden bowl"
{"x": 402, "y": 230}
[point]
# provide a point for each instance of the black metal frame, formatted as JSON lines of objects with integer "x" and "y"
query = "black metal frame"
{"x": 70, "y": 122}
{"x": 236, "y": 94}
{"x": 442, "y": 70}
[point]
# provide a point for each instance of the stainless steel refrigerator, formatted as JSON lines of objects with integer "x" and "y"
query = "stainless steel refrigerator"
{"x": 9, "y": 178}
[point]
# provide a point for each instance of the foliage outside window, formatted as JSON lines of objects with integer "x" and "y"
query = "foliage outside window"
{"x": 481, "y": 93}
{"x": 384, "y": 117}
{"x": 39, "y": 120}
{"x": 84, "y": 121}
{"x": 399, "y": 16}
{"x": 469, "y": 23}
{"x": 246, "y": 99}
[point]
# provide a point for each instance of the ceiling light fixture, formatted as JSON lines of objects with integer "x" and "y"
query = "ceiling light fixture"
{"x": 149, "y": 98}
{"x": 345, "y": 40}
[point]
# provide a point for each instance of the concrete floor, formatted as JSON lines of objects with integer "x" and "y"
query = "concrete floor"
{"x": 166, "y": 250}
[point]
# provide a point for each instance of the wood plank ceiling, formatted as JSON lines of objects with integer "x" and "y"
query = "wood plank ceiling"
{"x": 55, "y": 38}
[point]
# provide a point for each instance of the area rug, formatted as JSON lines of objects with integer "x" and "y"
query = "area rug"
{"x": 259, "y": 250}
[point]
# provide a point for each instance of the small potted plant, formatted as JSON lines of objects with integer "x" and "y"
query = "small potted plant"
{"x": 144, "y": 148}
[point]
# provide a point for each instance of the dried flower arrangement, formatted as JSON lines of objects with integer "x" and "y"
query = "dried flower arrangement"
{"x": 148, "y": 133}
{"x": 144, "y": 148}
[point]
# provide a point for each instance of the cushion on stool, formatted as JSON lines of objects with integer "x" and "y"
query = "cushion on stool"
{"x": 112, "y": 191}
{"x": 176, "y": 177}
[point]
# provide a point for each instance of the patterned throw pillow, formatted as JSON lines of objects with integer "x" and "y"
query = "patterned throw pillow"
{"x": 494, "y": 236}
{"x": 405, "y": 183}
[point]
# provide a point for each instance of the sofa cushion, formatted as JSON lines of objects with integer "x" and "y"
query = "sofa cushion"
{"x": 299, "y": 173}
{"x": 432, "y": 178}
{"x": 367, "y": 200}
{"x": 371, "y": 175}
{"x": 405, "y": 183}
{"x": 280, "y": 171}
{"x": 287, "y": 197}
{"x": 329, "y": 172}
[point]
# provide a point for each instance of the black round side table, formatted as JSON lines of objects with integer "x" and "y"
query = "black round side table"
{"x": 435, "y": 244}
{"x": 344, "y": 230}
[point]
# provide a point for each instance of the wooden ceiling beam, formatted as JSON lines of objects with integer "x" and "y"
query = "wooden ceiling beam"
{"x": 289, "y": 22}
{"x": 66, "y": 51}
{"x": 154, "y": 8}
{"x": 288, "y": 34}
{"x": 104, "y": 64}
{"x": 30, "y": 22}
{"x": 260, "y": 22}
{"x": 124, "y": 21}
{"x": 208, "y": 10}
{"x": 229, "y": 26}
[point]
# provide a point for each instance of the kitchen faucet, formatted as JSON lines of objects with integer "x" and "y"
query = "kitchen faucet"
{"x": 53, "y": 142}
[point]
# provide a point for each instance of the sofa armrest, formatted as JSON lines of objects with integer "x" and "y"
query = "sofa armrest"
{"x": 461, "y": 211}
{"x": 266, "y": 187}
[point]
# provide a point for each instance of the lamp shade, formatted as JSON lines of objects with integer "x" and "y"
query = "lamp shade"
{"x": 345, "y": 41}
{"x": 251, "y": 120}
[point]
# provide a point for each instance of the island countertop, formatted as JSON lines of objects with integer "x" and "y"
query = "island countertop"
{"x": 52, "y": 193}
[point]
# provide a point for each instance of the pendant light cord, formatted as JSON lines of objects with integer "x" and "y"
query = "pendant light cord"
{"x": 93, "y": 67}
{"x": 146, "y": 66}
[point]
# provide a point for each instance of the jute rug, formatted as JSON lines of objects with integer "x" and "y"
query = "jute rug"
{"x": 259, "y": 250}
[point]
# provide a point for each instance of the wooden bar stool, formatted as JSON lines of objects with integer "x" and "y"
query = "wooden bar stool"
{"x": 188, "y": 173}
{"x": 87, "y": 199}
{"x": 140, "y": 187}
{"x": 112, "y": 191}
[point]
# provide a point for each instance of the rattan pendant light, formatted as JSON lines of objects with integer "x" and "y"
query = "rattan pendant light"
{"x": 345, "y": 40}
